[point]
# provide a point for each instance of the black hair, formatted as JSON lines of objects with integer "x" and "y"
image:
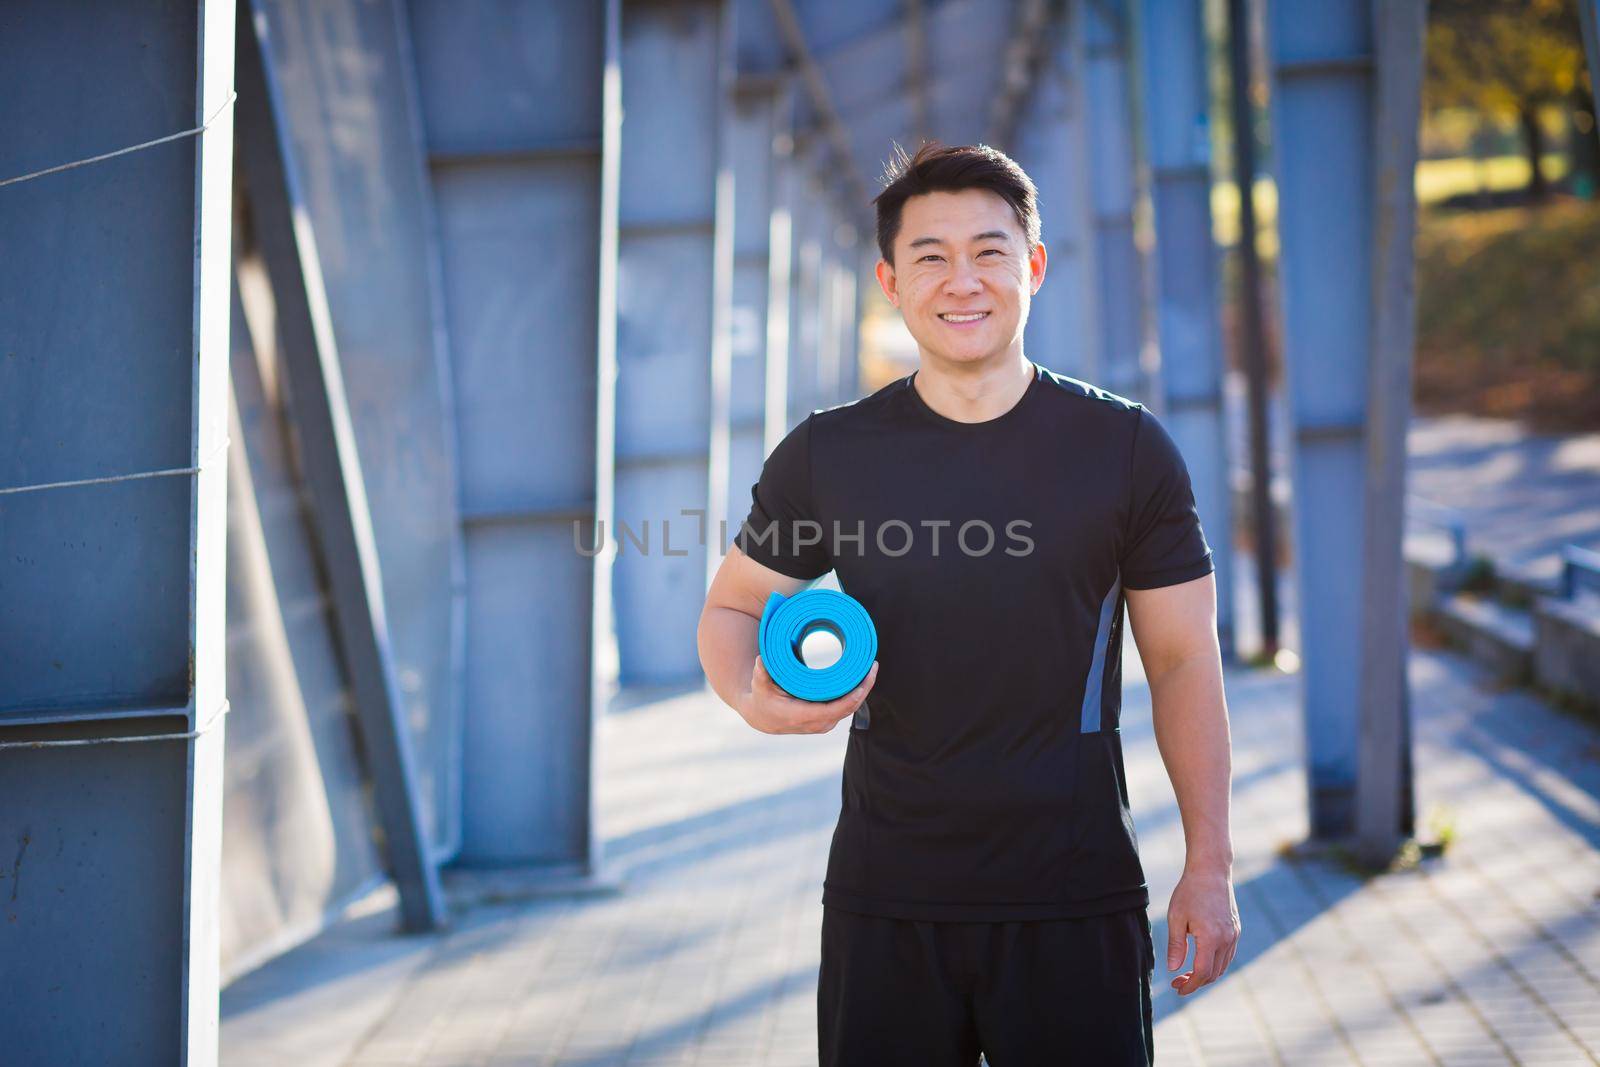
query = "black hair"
{"x": 941, "y": 168}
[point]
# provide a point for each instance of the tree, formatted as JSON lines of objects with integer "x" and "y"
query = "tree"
{"x": 1506, "y": 58}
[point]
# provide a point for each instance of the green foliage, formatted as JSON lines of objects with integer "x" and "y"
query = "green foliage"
{"x": 1502, "y": 57}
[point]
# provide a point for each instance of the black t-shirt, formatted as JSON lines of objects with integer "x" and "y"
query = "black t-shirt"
{"x": 983, "y": 779}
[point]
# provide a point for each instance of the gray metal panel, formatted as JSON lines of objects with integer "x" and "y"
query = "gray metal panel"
{"x": 1120, "y": 280}
{"x": 664, "y": 329}
{"x": 512, "y": 108}
{"x": 500, "y": 76}
{"x": 298, "y": 825}
{"x": 966, "y": 47}
{"x": 1175, "y": 97}
{"x": 519, "y": 340}
{"x": 93, "y": 580}
{"x": 91, "y": 964}
{"x": 1062, "y": 331}
{"x": 805, "y": 325}
{"x": 344, "y": 68}
{"x": 113, "y": 299}
{"x": 526, "y": 754}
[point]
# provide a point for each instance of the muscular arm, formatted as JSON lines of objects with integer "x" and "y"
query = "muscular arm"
{"x": 1175, "y": 629}
{"x": 731, "y": 617}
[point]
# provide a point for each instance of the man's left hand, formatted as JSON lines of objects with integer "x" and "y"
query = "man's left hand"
{"x": 1203, "y": 907}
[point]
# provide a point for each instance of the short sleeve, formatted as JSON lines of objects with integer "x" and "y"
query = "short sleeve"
{"x": 1164, "y": 544}
{"x": 783, "y": 530}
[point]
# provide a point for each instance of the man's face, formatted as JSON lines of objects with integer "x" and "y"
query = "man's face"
{"x": 962, "y": 275}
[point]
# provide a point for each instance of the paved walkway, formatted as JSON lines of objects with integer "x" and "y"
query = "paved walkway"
{"x": 1521, "y": 495}
{"x": 1488, "y": 955}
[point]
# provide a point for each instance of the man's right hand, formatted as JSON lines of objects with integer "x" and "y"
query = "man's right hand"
{"x": 768, "y": 708}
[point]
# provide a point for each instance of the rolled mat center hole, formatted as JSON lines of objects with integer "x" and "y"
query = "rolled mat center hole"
{"x": 821, "y": 645}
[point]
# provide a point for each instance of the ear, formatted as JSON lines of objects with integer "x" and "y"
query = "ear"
{"x": 886, "y": 281}
{"x": 1037, "y": 260}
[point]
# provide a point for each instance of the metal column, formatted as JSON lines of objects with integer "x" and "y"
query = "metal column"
{"x": 753, "y": 129}
{"x": 346, "y": 84}
{"x": 1344, "y": 121}
{"x": 113, "y": 307}
{"x": 515, "y": 114}
{"x": 670, "y": 90}
{"x": 1176, "y": 98}
{"x": 804, "y": 292}
{"x": 332, "y": 469}
{"x": 846, "y": 313}
{"x": 782, "y": 239}
{"x": 1119, "y": 277}
{"x": 1052, "y": 146}
{"x": 829, "y": 367}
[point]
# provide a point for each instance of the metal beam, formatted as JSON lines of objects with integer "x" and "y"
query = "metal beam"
{"x": 1063, "y": 328}
{"x": 1170, "y": 37}
{"x": 332, "y": 468}
{"x": 1019, "y": 68}
{"x": 794, "y": 39}
{"x": 114, "y": 323}
{"x": 1344, "y": 179}
{"x": 1119, "y": 261}
{"x": 916, "y": 38}
{"x": 751, "y": 142}
{"x": 1384, "y": 804}
{"x": 719, "y": 492}
{"x": 528, "y": 243}
{"x": 786, "y": 176}
{"x": 666, "y": 330}
{"x": 343, "y": 66}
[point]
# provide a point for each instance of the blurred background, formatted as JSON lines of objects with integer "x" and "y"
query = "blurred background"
{"x": 381, "y": 382}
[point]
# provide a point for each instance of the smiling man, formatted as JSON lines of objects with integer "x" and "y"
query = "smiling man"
{"x": 984, "y": 890}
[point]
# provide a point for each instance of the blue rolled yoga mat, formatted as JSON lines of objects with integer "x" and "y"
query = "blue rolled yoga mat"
{"x": 785, "y": 620}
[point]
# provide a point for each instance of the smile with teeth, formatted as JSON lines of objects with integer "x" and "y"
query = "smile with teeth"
{"x": 954, "y": 316}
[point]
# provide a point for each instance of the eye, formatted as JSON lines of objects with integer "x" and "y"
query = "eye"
{"x": 927, "y": 257}
{"x": 996, "y": 251}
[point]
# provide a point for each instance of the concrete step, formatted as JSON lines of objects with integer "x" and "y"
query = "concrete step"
{"x": 1499, "y": 637}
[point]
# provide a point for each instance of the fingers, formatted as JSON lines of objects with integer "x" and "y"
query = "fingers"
{"x": 847, "y": 704}
{"x": 1213, "y": 951}
{"x": 1177, "y": 941}
{"x": 789, "y": 714}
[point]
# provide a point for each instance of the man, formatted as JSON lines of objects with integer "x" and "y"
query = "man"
{"x": 984, "y": 889}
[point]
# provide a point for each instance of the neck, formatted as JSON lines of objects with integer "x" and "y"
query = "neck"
{"x": 974, "y": 392}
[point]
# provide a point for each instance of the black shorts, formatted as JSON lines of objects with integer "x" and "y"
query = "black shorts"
{"x": 1028, "y": 993}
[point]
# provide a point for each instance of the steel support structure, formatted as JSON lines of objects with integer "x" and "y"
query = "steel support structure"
{"x": 754, "y": 128}
{"x": 1175, "y": 99}
{"x": 846, "y": 315}
{"x": 781, "y": 243}
{"x": 1052, "y": 146}
{"x": 1346, "y": 78}
{"x": 521, "y": 139}
{"x": 671, "y": 88}
{"x": 345, "y": 83}
{"x": 1119, "y": 264}
{"x": 806, "y": 208}
{"x": 332, "y": 468}
{"x": 114, "y": 301}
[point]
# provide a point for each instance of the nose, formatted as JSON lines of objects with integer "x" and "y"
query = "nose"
{"x": 963, "y": 278}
